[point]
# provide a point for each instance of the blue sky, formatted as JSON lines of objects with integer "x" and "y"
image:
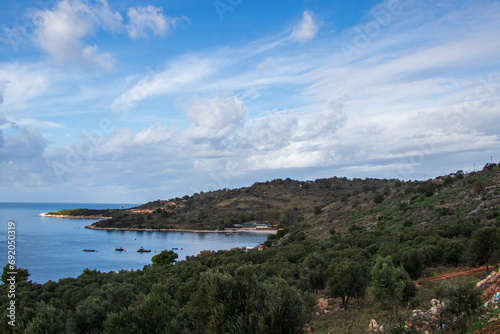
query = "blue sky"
{"x": 121, "y": 101}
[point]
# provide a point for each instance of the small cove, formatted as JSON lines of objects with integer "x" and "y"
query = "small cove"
{"x": 52, "y": 248}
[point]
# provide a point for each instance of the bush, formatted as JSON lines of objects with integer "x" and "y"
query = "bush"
{"x": 413, "y": 261}
{"x": 448, "y": 181}
{"x": 427, "y": 188}
{"x": 454, "y": 250}
{"x": 378, "y": 198}
{"x": 462, "y": 302}
{"x": 391, "y": 285}
{"x": 489, "y": 166}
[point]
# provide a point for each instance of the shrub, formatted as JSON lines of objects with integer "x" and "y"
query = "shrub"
{"x": 378, "y": 198}
{"x": 462, "y": 302}
{"x": 391, "y": 285}
{"x": 448, "y": 181}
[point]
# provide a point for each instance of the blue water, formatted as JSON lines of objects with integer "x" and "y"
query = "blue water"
{"x": 51, "y": 248}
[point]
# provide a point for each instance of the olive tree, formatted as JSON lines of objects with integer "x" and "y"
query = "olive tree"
{"x": 348, "y": 279}
{"x": 483, "y": 245}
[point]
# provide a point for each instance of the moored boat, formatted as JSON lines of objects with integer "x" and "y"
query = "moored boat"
{"x": 89, "y": 250}
{"x": 142, "y": 250}
{"x": 120, "y": 249}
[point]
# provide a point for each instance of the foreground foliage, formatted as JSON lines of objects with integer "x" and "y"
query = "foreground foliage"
{"x": 237, "y": 291}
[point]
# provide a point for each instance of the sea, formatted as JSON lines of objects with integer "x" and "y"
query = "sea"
{"x": 52, "y": 248}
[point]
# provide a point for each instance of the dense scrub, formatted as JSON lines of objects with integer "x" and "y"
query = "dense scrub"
{"x": 238, "y": 291}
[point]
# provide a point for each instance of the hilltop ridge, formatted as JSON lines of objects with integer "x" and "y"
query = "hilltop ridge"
{"x": 326, "y": 205}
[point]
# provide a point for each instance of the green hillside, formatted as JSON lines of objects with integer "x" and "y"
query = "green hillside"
{"x": 329, "y": 204}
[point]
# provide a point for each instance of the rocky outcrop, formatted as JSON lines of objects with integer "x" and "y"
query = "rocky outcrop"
{"x": 374, "y": 327}
{"x": 490, "y": 285}
{"x": 423, "y": 321}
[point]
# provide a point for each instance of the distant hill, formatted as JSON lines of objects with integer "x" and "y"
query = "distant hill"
{"x": 327, "y": 206}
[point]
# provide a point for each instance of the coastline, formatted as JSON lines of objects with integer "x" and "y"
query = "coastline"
{"x": 75, "y": 217}
{"x": 90, "y": 227}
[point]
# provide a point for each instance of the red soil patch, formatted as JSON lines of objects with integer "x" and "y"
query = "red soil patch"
{"x": 463, "y": 272}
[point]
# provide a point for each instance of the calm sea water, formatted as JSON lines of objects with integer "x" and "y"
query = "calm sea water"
{"x": 51, "y": 248}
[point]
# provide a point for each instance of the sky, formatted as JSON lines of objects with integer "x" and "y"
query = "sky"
{"x": 128, "y": 102}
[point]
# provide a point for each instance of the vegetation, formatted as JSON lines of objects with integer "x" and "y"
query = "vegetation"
{"x": 391, "y": 285}
{"x": 348, "y": 279}
{"x": 164, "y": 258}
{"x": 462, "y": 303}
{"x": 334, "y": 203}
{"x": 85, "y": 212}
{"x": 484, "y": 242}
{"x": 325, "y": 248}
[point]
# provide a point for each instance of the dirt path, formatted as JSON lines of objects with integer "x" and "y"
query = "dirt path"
{"x": 463, "y": 272}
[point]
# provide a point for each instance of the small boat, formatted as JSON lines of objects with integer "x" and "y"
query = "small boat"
{"x": 142, "y": 250}
{"x": 120, "y": 249}
{"x": 89, "y": 250}
{"x": 175, "y": 248}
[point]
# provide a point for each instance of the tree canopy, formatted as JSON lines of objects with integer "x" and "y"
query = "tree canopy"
{"x": 165, "y": 257}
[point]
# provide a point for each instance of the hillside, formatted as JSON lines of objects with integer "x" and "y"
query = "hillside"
{"x": 349, "y": 251}
{"x": 326, "y": 205}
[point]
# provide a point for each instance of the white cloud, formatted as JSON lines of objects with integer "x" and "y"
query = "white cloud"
{"x": 180, "y": 75}
{"x": 34, "y": 123}
{"x": 266, "y": 63}
{"x": 3, "y": 84}
{"x": 27, "y": 144}
{"x": 125, "y": 141}
{"x": 92, "y": 57}
{"x": 214, "y": 118}
{"x": 306, "y": 30}
{"x": 109, "y": 20}
{"x": 326, "y": 122}
{"x": 270, "y": 133}
{"x": 60, "y": 32}
{"x": 155, "y": 134}
{"x": 143, "y": 20}
{"x": 22, "y": 83}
